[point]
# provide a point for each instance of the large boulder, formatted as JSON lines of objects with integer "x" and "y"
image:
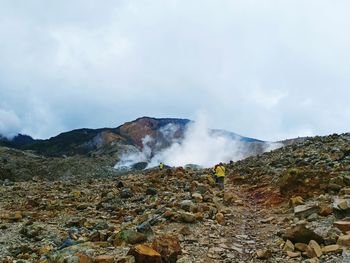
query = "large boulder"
{"x": 126, "y": 193}
{"x": 301, "y": 234}
{"x": 145, "y": 254}
{"x": 342, "y": 225}
{"x": 303, "y": 211}
{"x": 168, "y": 247}
{"x": 344, "y": 241}
{"x": 341, "y": 208}
{"x": 186, "y": 205}
{"x": 313, "y": 249}
{"x": 332, "y": 249}
{"x": 188, "y": 217}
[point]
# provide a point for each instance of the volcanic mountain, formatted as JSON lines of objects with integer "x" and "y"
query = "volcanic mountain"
{"x": 159, "y": 133}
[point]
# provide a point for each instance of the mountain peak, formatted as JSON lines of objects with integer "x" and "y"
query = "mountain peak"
{"x": 138, "y": 129}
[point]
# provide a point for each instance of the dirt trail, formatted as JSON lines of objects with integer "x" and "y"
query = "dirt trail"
{"x": 247, "y": 227}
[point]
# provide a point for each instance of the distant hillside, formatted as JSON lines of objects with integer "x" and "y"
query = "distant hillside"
{"x": 18, "y": 141}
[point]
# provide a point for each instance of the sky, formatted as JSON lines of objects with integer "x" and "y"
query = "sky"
{"x": 265, "y": 69}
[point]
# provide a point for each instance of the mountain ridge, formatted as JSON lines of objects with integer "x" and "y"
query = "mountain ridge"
{"x": 86, "y": 141}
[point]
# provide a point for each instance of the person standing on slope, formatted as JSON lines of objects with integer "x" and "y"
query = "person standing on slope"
{"x": 219, "y": 170}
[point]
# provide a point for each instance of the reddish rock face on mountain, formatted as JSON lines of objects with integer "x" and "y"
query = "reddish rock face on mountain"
{"x": 108, "y": 138}
{"x": 138, "y": 129}
{"x": 161, "y": 130}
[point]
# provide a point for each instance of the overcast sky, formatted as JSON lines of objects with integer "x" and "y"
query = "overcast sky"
{"x": 265, "y": 69}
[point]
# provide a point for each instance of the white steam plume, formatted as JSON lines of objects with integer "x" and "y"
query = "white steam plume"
{"x": 200, "y": 145}
{"x": 134, "y": 155}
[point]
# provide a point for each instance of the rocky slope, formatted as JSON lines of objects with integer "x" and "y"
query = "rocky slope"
{"x": 316, "y": 165}
{"x": 289, "y": 205}
{"x": 17, "y": 165}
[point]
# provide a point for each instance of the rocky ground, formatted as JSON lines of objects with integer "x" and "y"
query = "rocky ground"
{"x": 17, "y": 165}
{"x": 290, "y": 205}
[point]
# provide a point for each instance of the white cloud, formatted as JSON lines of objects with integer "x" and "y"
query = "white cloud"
{"x": 254, "y": 66}
{"x": 267, "y": 99}
{"x": 9, "y": 123}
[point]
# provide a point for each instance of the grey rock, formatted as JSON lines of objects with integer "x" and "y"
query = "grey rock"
{"x": 186, "y": 205}
{"x": 313, "y": 217}
{"x": 151, "y": 191}
{"x": 126, "y": 193}
{"x": 187, "y": 217}
{"x": 101, "y": 225}
{"x": 303, "y": 211}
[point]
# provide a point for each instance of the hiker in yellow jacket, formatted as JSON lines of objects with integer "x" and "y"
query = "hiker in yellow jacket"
{"x": 219, "y": 170}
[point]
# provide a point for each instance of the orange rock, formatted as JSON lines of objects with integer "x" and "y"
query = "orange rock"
{"x": 326, "y": 211}
{"x": 344, "y": 241}
{"x": 145, "y": 254}
{"x": 301, "y": 247}
{"x": 315, "y": 249}
{"x": 342, "y": 225}
{"x": 263, "y": 254}
{"x": 104, "y": 259}
{"x": 168, "y": 247}
{"x": 301, "y": 234}
{"x": 332, "y": 249}
{"x": 229, "y": 198}
{"x": 205, "y": 208}
{"x": 293, "y": 254}
{"x": 288, "y": 246}
{"x": 179, "y": 174}
{"x": 16, "y": 216}
{"x": 168, "y": 214}
{"x": 220, "y": 218}
{"x": 297, "y": 200}
{"x": 82, "y": 258}
{"x": 198, "y": 216}
{"x": 45, "y": 249}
